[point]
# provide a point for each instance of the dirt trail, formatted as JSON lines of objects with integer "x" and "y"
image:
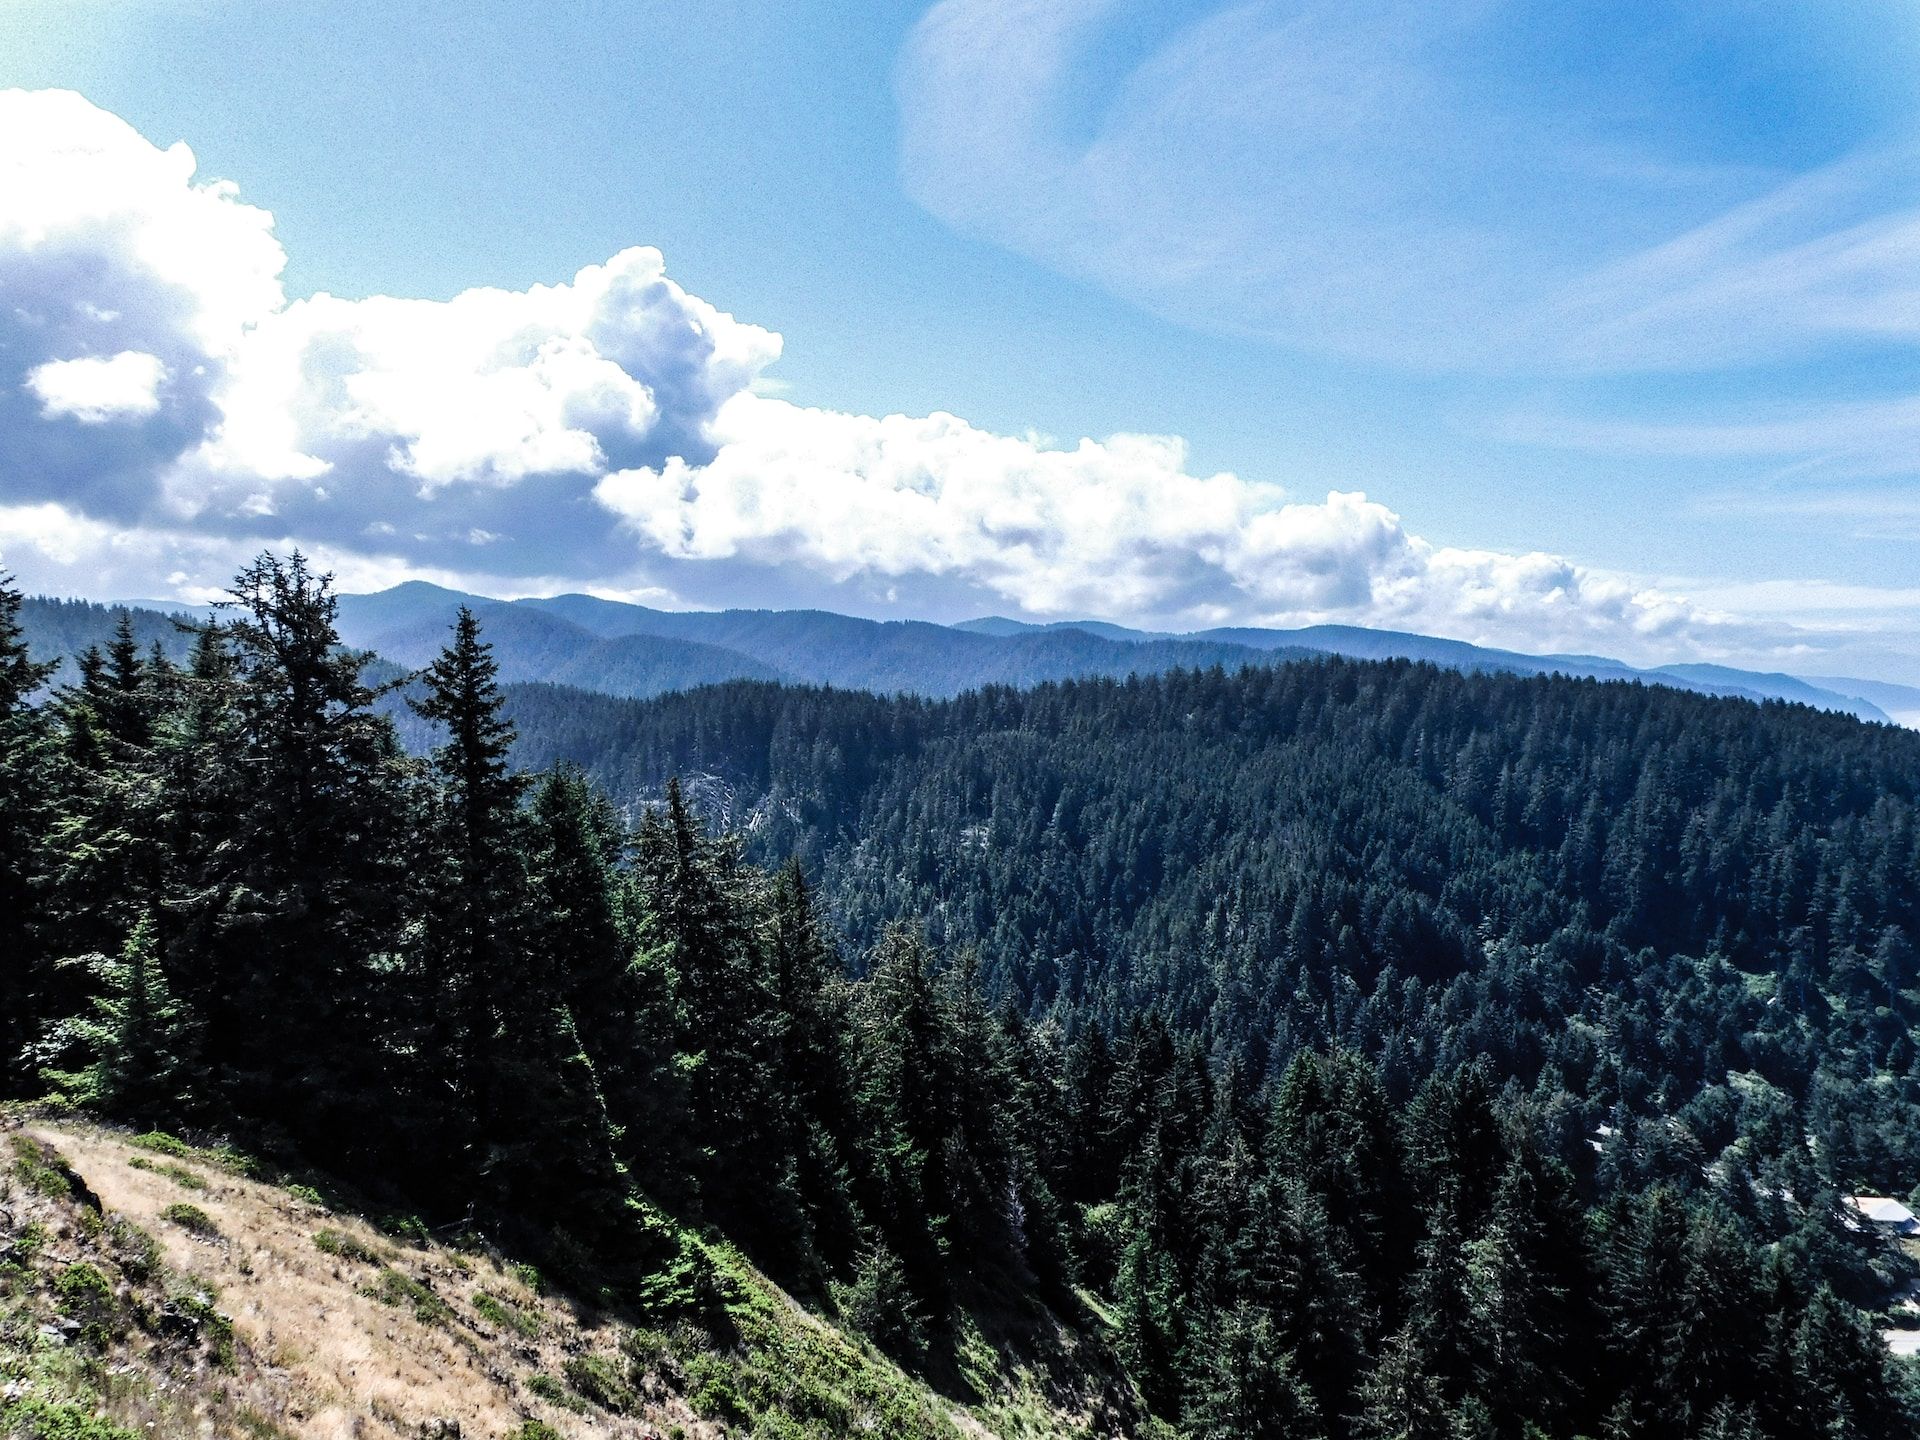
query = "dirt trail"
{"x": 337, "y": 1363}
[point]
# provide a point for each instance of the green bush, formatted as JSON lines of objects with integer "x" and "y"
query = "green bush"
{"x": 307, "y": 1195}
{"x": 85, "y": 1294}
{"x": 190, "y": 1218}
{"x": 41, "y": 1170}
{"x": 554, "y": 1393}
{"x": 503, "y": 1314}
{"x": 177, "y": 1174}
{"x": 32, "y": 1418}
{"x": 135, "y": 1251}
{"x": 599, "y": 1380}
{"x": 533, "y": 1430}
{"x": 238, "y": 1162}
{"x": 216, "y": 1329}
{"x": 82, "y": 1289}
{"x": 713, "y": 1390}
{"x": 162, "y": 1143}
{"x": 404, "y": 1292}
{"x": 345, "y": 1246}
{"x": 880, "y": 1304}
{"x": 410, "y": 1229}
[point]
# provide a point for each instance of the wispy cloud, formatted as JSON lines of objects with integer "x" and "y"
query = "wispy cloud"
{"x": 1864, "y": 437}
{"x": 1369, "y": 179}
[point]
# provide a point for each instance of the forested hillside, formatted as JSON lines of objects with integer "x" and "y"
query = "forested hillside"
{"x": 1417, "y": 862}
{"x": 1337, "y": 1049}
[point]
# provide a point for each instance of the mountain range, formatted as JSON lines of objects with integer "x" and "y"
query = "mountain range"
{"x": 635, "y": 651}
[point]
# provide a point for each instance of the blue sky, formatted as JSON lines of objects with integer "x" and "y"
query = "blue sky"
{"x": 1611, "y": 311}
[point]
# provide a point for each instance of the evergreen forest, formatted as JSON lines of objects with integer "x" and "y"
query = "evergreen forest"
{"x": 1350, "y": 1048}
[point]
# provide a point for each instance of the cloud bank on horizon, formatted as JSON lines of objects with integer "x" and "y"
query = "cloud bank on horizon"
{"x": 166, "y": 409}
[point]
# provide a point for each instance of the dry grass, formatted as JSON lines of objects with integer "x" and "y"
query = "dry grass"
{"x": 339, "y": 1331}
{"x": 356, "y": 1337}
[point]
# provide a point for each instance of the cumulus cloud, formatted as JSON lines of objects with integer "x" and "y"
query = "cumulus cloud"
{"x": 1115, "y": 527}
{"x": 94, "y": 391}
{"x": 434, "y": 427}
{"x": 153, "y": 371}
{"x": 165, "y": 408}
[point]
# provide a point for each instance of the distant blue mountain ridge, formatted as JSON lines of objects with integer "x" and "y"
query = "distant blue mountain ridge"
{"x": 617, "y": 648}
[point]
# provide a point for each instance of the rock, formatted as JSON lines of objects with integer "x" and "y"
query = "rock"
{"x": 441, "y": 1427}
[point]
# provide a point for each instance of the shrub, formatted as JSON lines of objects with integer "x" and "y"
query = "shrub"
{"x": 529, "y": 1277}
{"x": 713, "y": 1391}
{"x": 345, "y": 1246}
{"x": 403, "y": 1292}
{"x": 162, "y": 1143}
{"x": 597, "y": 1378}
{"x": 32, "y": 1241}
{"x": 40, "y": 1419}
{"x": 533, "y": 1430}
{"x": 85, "y": 1294}
{"x": 191, "y": 1218}
{"x": 82, "y": 1289}
{"x": 554, "y": 1393}
{"x": 307, "y": 1195}
{"x": 216, "y": 1329}
{"x": 881, "y": 1305}
{"x": 503, "y": 1314}
{"x": 41, "y": 1170}
{"x": 179, "y": 1174}
{"x": 238, "y": 1162}
{"x": 408, "y": 1228}
{"x": 135, "y": 1251}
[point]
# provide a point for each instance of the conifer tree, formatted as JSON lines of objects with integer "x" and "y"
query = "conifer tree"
{"x": 24, "y": 820}
{"x": 1402, "y": 1399}
{"x": 477, "y": 955}
{"x": 142, "y": 1040}
{"x": 697, "y": 893}
{"x": 813, "y": 1066}
{"x": 609, "y": 971}
{"x": 1518, "y": 1310}
{"x": 1245, "y": 1387}
{"x": 322, "y": 872}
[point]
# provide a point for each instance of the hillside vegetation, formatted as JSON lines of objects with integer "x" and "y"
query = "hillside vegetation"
{"x": 1334, "y": 1049}
{"x": 150, "y": 1286}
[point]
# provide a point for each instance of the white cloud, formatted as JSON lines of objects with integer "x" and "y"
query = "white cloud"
{"x": 491, "y": 413}
{"x": 612, "y": 432}
{"x": 1118, "y": 528}
{"x": 94, "y": 390}
{"x": 139, "y": 294}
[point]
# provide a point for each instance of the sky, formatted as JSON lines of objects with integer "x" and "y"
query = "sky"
{"x": 1579, "y": 325}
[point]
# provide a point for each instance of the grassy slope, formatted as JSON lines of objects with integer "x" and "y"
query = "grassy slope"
{"x": 262, "y": 1311}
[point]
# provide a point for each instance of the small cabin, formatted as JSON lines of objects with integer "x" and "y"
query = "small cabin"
{"x": 1889, "y": 1216}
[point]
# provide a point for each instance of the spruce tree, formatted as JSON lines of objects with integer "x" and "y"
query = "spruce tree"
{"x": 1244, "y": 1386}
{"x": 142, "y": 1040}
{"x": 477, "y": 950}
{"x": 321, "y": 873}
{"x": 590, "y": 930}
{"x": 698, "y": 894}
{"x": 24, "y": 820}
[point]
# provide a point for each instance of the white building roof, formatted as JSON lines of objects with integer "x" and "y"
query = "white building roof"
{"x": 1881, "y": 1211}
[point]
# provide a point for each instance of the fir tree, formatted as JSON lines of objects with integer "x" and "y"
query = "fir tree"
{"x": 142, "y": 1040}
{"x": 24, "y": 822}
